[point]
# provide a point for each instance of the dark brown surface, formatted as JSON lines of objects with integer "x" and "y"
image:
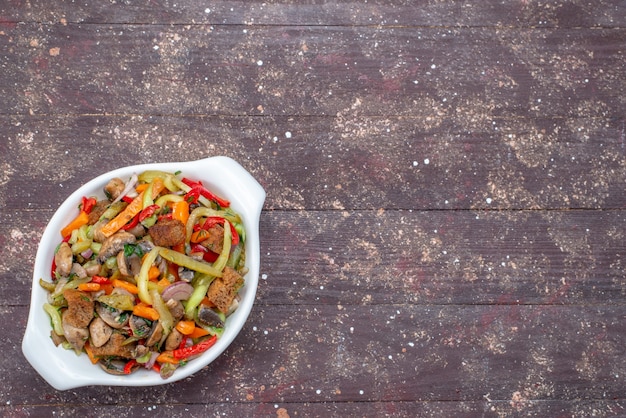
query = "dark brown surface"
{"x": 444, "y": 232}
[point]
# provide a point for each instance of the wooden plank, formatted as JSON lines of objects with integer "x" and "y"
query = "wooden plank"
{"x": 551, "y": 13}
{"x": 381, "y": 353}
{"x": 407, "y": 257}
{"x": 340, "y": 163}
{"x": 443, "y": 257}
{"x": 577, "y": 408}
{"x": 469, "y": 75}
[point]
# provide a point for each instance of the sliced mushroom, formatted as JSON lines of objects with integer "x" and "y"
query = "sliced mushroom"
{"x": 185, "y": 274}
{"x": 114, "y": 244}
{"x": 113, "y": 366}
{"x": 138, "y": 230}
{"x": 140, "y": 351}
{"x": 176, "y": 308}
{"x": 129, "y": 266}
{"x": 114, "y": 188}
{"x": 156, "y": 334}
{"x": 134, "y": 261}
{"x": 64, "y": 259}
{"x": 99, "y": 332}
{"x": 74, "y": 335}
{"x": 173, "y": 340}
{"x": 208, "y": 317}
{"x": 92, "y": 269}
{"x": 115, "y": 318}
{"x": 139, "y": 326}
{"x": 145, "y": 245}
{"x": 79, "y": 271}
{"x": 56, "y": 338}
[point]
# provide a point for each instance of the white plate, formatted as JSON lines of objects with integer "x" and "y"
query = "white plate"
{"x": 62, "y": 368}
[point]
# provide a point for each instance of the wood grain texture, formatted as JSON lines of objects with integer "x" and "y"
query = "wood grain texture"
{"x": 387, "y": 353}
{"x": 444, "y": 229}
{"x": 348, "y": 162}
{"x": 569, "y": 13}
{"x": 407, "y": 257}
{"x": 469, "y": 75}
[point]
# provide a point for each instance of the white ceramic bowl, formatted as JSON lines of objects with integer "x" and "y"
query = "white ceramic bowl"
{"x": 61, "y": 368}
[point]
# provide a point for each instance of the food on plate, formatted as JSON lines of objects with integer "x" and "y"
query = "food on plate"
{"x": 146, "y": 274}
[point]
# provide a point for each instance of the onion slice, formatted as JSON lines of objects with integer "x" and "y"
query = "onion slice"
{"x": 130, "y": 185}
{"x": 178, "y": 291}
{"x": 152, "y": 360}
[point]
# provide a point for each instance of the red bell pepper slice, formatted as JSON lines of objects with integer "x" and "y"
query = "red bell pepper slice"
{"x": 212, "y": 221}
{"x": 100, "y": 280}
{"x": 192, "y": 196}
{"x": 166, "y": 216}
{"x": 148, "y": 212}
{"x": 207, "y": 255}
{"x": 127, "y": 199}
{"x": 128, "y": 367}
{"x": 215, "y": 220}
{"x": 87, "y": 204}
{"x": 198, "y": 189}
{"x": 201, "y": 347}
{"x": 133, "y": 223}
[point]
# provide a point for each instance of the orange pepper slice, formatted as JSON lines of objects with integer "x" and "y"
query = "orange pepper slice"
{"x": 81, "y": 219}
{"x": 125, "y": 285}
{"x": 186, "y": 327}
{"x": 145, "y": 311}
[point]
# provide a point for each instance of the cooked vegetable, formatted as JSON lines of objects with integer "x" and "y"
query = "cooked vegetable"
{"x": 190, "y": 263}
{"x": 81, "y": 219}
{"x": 55, "y": 318}
{"x": 201, "y": 347}
{"x": 132, "y": 278}
{"x": 179, "y": 290}
{"x": 143, "y": 279}
{"x": 145, "y": 311}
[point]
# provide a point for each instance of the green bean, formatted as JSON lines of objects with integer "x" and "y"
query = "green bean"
{"x": 55, "y": 317}
{"x": 199, "y": 292}
{"x": 190, "y": 263}
{"x": 142, "y": 278}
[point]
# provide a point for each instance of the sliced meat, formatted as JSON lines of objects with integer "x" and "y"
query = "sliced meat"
{"x": 215, "y": 241}
{"x": 98, "y": 236}
{"x": 96, "y": 212}
{"x": 223, "y": 290}
{"x": 80, "y": 308}
{"x": 168, "y": 232}
{"x": 115, "y": 347}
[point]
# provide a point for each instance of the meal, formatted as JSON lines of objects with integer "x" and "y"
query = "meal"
{"x": 146, "y": 277}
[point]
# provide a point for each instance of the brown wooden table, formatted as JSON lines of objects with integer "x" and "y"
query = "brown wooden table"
{"x": 444, "y": 230}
